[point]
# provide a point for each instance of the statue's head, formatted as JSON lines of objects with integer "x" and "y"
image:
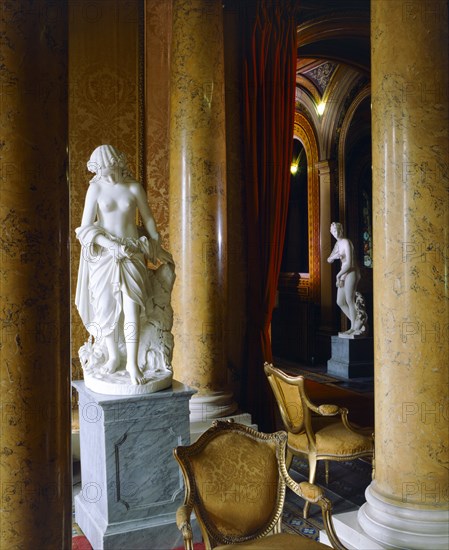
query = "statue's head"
{"x": 337, "y": 229}
{"x": 106, "y": 156}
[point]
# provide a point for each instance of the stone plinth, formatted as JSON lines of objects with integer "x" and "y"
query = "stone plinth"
{"x": 351, "y": 358}
{"x": 131, "y": 484}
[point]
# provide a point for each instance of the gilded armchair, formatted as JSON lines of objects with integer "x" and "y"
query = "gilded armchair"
{"x": 312, "y": 432}
{"x": 235, "y": 481}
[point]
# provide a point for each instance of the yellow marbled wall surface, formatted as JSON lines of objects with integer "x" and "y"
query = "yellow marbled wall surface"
{"x": 198, "y": 227}
{"x": 411, "y": 244}
{"x": 35, "y": 463}
{"x": 105, "y": 101}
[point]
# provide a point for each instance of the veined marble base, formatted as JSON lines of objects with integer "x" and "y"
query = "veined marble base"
{"x": 199, "y": 427}
{"x": 131, "y": 483}
{"x": 160, "y": 532}
{"x": 351, "y": 358}
{"x": 211, "y": 406}
{"x": 350, "y": 533}
{"x": 404, "y": 527}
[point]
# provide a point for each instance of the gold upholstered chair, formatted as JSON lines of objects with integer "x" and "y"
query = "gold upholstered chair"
{"x": 235, "y": 480}
{"x": 316, "y": 432}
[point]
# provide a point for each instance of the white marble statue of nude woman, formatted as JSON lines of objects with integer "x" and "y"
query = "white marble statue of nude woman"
{"x": 348, "y": 299}
{"x": 115, "y": 286}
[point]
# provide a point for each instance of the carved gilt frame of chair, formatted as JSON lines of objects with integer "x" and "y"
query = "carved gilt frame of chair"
{"x": 335, "y": 440}
{"x": 235, "y": 481}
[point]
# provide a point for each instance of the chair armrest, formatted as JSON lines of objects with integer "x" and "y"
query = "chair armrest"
{"x": 183, "y": 522}
{"x": 315, "y": 495}
{"x": 369, "y": 432}
{"x": 328, "y": 410}
{"x": 323, "y": 410}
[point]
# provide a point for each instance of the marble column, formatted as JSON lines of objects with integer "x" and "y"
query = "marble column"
{"x": 326, "y": 175}
{"x": 35, "y": 472}
{"x": 198, "y": 224}
{"x": 407, "y": 502}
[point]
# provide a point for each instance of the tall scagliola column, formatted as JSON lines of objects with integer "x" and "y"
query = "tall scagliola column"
{"x": 35, "y": 472}
{"x": 326, "y": 173}
{"x": 407, "y": 502}
{"x": 198, "y": 232}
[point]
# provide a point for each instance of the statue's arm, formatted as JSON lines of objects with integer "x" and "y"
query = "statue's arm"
{"x": 335, "y": 254}
{"x": 145, "y": 211}
{"x": 347, "y": 258}
{"x": 90, "y": 206}
{"x": 149, "y": 223}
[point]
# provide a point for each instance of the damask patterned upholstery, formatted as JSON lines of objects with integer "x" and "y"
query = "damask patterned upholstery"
{"x": 235, "y": 480}
{"x": 312, "y": 430}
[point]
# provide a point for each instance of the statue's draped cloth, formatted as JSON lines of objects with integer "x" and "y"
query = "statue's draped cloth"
{"x": 102, "y": 279}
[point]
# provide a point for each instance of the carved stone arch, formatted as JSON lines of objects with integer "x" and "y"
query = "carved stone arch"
{"x": 362, "y": 95}
{"x": 304, "y": 132}
{"x": 294, "y": 318}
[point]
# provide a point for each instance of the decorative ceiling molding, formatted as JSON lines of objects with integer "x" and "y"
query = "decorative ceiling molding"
{"x": 321, "y": 74}
{"x": 354, "y": 25}
{"x": 303, "y": 83}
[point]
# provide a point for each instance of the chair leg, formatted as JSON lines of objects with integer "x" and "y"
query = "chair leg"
{"x": 312, "y": 474}
{"x": 288, "y": 459}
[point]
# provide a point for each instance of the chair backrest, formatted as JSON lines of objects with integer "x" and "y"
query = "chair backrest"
{"x": 289, "y": 393}
{"x": 233, "y": 481}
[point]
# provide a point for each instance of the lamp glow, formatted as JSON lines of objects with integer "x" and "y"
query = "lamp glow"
{"x": 320, "y": 107}
{"x": 293, "y": 168}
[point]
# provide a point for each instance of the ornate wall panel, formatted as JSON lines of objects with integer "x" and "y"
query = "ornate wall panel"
{"x": 158, "y": 29}
{"x": 294, "y": 319}
{"x": 105, "y": 102}
{"x": 304, "y": 131}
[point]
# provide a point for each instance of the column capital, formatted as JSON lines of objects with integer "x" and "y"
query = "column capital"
{"x": 326, "y": 167}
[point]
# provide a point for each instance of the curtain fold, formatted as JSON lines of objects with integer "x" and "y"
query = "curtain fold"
{"x": 269, "y": 83}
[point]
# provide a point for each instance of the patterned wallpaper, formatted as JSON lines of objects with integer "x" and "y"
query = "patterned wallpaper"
{"x": 158, "y": 30}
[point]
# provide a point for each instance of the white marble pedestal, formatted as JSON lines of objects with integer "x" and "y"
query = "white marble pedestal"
{"x": 131, "y": 484}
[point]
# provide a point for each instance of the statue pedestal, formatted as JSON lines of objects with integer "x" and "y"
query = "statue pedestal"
{"x": 351, "y": 358}
{"x": 131, "y": 484}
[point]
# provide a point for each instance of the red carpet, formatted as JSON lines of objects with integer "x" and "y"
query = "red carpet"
{"x": 80, "y": 543}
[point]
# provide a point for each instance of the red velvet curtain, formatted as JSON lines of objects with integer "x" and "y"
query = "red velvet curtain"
{"x": 269, "y": 106}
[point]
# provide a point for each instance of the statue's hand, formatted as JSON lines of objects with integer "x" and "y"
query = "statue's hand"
{"x": 119, "y": 251}
{"x": 164, "y": 256}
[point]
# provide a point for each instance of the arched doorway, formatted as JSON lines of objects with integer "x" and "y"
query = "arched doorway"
{"x": 295, "y": 316}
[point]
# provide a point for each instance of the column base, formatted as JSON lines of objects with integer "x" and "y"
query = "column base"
{"x": 403, "y": 527}
{"x": 211, "y": 406}
{"x": 350, "y": 533}
{"x": 199, "y": 427}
